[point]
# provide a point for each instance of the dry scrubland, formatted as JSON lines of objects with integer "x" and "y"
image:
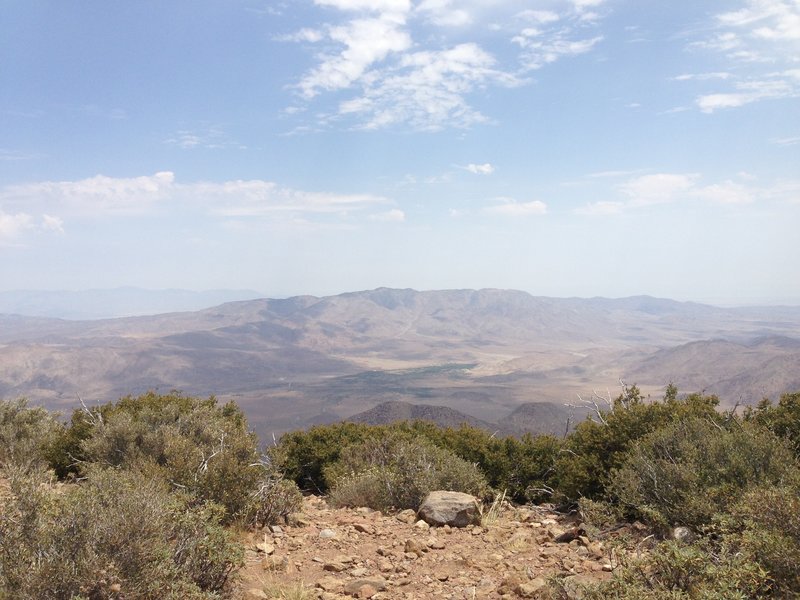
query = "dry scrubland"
{"x": 169, "y": 496}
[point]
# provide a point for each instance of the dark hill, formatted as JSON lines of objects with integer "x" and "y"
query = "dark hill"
{"x": 393, "y": 411}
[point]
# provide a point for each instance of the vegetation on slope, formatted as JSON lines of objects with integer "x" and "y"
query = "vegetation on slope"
{"x": 149, "y": 486}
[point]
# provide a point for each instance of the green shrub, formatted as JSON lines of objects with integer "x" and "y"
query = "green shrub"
{"x": 782, "y": 419}
{"x": 25, "y": 434}
{"x": 596, "y": 448}
{"x": 523, "y": 467}
{"x": 303, "y": 455}
{"x": 198, "y": 446}
{"x": 395, "y": 472}
{"x": 690, "y": 470}
{"x": 691, "y": 572}
{"x": 274, "y": 500}
{"x": 118, "y": 534}
{"x": 765, "y": 527}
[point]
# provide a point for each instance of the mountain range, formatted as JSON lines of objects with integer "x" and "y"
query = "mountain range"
{"x": 303, "y": 360}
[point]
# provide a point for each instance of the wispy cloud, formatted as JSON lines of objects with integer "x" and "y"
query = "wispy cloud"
{"x": 385, "y": 75}
{"x": 510, "y": 208}
{"x": 484, "y": 169}
{"x": 761, "y": 40}
{"x": 780, "y": 85}
{"x": 211, "y": 138}
{"x": 650, "y": 190}
{"x": 13, "y": 155}
{"x": 102, "y": 197}
{"x": 658, "y": 188}
{"x": 787, "y": 141}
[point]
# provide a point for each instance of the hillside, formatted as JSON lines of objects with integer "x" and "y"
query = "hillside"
{"x": 295, "y": 361}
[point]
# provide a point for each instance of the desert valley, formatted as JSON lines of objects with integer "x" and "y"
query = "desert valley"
{"x": 495, "y": 358}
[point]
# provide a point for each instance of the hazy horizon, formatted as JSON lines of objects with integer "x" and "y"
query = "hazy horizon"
{"x": 567, "y": 148}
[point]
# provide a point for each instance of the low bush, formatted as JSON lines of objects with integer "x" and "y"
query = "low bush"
{"x": 782, "y": 419}
{"x": 25, "y": 434}
{"x": 684, "y": 572}
{"x": 688, "y": 471}
{"x": 395, "y": 472}
{"x": 273, "y": 501}
{"x": 597, "y": 447}
{"x": 198, "y": 446}
{"x": 118, "y": 534}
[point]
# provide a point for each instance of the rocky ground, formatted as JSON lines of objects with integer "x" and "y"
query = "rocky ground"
{"x": 334, "y": 554}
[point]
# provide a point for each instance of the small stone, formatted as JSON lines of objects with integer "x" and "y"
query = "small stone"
{"x": 442, "y": 576}
{"x": 334, "y": 567}
{"x": 265, "y": 548}
{"x": 684, "y": 535}
{"x": 359, "y": 572}
{"x": 415, "y": 547}
{"x": 422, "y": 525}
{"x": 608, "y": 568}
{"x": 384, "y": 566}
{"x": 353, "y": 588}
{"x": 327, "y": 534}
{"x": 329, "y": 584}
{"x": 532, "y": 588}
{"x": 406, "y": 516}
{"x": 435, "y": 544}
{"x": 362, "y": 528}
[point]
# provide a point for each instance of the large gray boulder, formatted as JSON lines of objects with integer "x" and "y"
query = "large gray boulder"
{"x": 450, "y": 508}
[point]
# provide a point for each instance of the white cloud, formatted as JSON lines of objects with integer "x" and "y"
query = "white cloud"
{"x": 661, "y": 188}
{"x": 443, "y": 13}
{"x": 787, "y": 141}
{"x": 51, "y": 223}
{"x": 13, "y": 225}
{"x": 658, "y": 188}
{"x": 754, "y": 36}
{"x": 392, "y": 216}
{"x": 96, "y": 195}
{"x": 727, "y": 192}
{"x": 366, "y": 42}
{"x": 702, "y": 76}
{"x": 484, "y": 169}
{"x": 543, "y": 49}
{"x": 212, "y": 138}
{"x": 766, "y": 19}
{"x": 393, "y": 6}
{"x": 103, "y": 196}
{"x": 385, "y": 78}
{"x": 510, "y": 208}
{"x": 747, "y": 93}
{"x": 428, "y": 90}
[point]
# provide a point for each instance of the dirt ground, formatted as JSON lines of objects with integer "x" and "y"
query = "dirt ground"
{"x": 339, "y": 553}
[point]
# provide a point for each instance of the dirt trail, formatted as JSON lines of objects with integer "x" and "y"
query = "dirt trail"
{"x": 340, "y": 553}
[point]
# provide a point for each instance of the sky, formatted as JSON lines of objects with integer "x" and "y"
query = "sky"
{"x": 561, "y": 147}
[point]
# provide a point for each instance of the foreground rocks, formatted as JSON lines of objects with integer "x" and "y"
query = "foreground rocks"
{"x": 454, "y": 509}
{"x": 372, "y": 555}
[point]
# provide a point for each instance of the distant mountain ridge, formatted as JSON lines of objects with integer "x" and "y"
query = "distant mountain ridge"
{"x": 113, "y": 303}
{"x": 485, "y": 353}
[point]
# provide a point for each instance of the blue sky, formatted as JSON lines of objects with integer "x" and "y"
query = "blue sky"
{"x": 562, "y": 147}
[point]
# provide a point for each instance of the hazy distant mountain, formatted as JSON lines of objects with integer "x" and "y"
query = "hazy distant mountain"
{"x": 294, "y": 361}
{"x": 117, "y": 302}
